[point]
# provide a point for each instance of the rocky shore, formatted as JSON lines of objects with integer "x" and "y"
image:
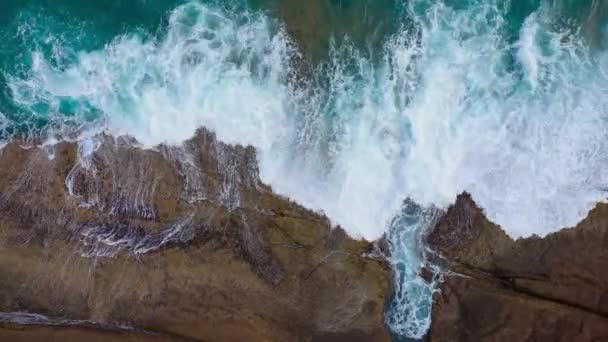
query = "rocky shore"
{"x": 536, "y": 289}
{"x": 106, "y": 240}
{"x": 103, "y": 240}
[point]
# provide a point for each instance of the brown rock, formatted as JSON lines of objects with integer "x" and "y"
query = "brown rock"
{"x": 77, "y": 334}
{"x": 184, "y": 242}
{"x": 549, "y": 289}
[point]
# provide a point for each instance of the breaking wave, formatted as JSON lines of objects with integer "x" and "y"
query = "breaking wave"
{"x": 505, "y": 102}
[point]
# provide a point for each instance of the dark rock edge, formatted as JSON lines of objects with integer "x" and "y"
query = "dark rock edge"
{"x": 534, "y": 289}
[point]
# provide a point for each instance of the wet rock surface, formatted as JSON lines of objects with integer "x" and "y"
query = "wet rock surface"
{"x": 535, "y": 289}
{"x": 102, "y": 240}
{"x": 173, "y": 243}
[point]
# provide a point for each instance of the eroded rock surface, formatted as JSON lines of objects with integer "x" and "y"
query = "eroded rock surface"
{"x": 535, "y": 289}
{"x": 184, "y": 242}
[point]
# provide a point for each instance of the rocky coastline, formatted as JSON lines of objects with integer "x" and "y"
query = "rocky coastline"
{"x": 535, "y": 289}
{"x": 173, "y": 244}
{"x": 106, "y": 240}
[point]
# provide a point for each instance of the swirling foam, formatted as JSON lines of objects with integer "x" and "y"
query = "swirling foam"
{"x": 453, "y": 105}
{"x": 445, "y": 112}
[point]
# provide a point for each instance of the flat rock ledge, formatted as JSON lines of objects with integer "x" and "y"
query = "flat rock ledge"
{"x": 535, "y": 289}
{"x": 105, "y": 241}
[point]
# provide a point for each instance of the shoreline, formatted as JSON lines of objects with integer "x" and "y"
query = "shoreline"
{"x": 550, "y": 288}
{"x": 195, "y": 247}
{"x": 461, "y": 232}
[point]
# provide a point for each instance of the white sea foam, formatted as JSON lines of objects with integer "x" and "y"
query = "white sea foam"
{"x": 3, "y": 125}
{"x": 528, "y": 52}
{"x": 440, "y": 116}
{"x": 452, "y": 107}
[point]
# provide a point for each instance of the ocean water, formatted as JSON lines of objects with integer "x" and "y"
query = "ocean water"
{"x": 377, "y": 113}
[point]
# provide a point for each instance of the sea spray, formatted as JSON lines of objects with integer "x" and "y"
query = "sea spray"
{"x": 501, "y": 99}
{"x": 372, "y": 133}
{"x": 4, "y": 123}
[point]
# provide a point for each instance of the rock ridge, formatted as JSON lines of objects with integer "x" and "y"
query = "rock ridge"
{"x": 183, "y": 241}
{"x": 530, "y": 289}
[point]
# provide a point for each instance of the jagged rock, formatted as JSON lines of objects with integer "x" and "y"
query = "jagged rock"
{"x": 535, "y": 289}
{"x": 185, "y": 242}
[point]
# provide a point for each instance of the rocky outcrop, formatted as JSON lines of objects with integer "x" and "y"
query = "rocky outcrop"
{"x": 172, "y": 243}
{"x": 535, "y": 289}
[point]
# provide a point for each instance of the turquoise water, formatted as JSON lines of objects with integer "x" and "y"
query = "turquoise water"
{"x": 354, "y": 106}
{"x": 58, "y": 31}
